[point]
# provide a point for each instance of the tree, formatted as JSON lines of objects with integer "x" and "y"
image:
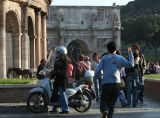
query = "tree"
{"x": 144, "y": 29}
{"x": 139, "y": 8}
{"x": 155, "y": 43}
{"x": 128, "y": 35}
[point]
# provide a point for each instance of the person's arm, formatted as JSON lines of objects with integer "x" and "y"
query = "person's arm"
{"x": 141, "y": 68}
{"x": 125, "y": 62}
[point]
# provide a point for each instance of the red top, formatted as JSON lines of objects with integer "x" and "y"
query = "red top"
{"x": 70, "y": 69}
{"x": 78, "y": 68}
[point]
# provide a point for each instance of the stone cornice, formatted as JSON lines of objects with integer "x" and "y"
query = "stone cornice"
{"x": 43, "y": 4}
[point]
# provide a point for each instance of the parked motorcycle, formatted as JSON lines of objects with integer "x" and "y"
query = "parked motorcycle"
{"x": 39, "y": 98}
{"x": 88, "y": 80}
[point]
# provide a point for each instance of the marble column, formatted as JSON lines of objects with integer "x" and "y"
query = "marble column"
{"x": 17, "y": 50}
{"x": 25, "y": 42}
{"x": 32, "y": 53}
{"x": 3, "y": 69}
{"x": 44, "y": 36}
{"x": 38, "y": 34}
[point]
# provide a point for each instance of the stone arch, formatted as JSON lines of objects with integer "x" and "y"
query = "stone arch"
{"x": 77, "y": 47}
{"x": 13, "y": 49}
{"x": 14, "y": 7}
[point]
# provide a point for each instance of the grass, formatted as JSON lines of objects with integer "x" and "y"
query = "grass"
{"x": 154, "y": 76}
{"x": 13, "y": 81}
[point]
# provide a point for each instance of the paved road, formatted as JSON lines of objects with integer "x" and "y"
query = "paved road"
{"x": 149, "y": 109}
{"x": 150, "y": 114}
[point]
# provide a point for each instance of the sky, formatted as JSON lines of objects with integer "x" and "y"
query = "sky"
{"x": 89, "y": 2}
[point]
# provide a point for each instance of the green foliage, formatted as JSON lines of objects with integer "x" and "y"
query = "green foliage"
{"x": 16, "y": 81}
{"x": 141, "y": 29}
{"x": 153, "y": 76}
{"x": 151, "y": 57}
{"x": 141, "y": 23}
{"x": 140, "y": 7}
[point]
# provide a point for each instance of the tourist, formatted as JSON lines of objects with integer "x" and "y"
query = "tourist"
{"x": 142, "y": 66}
{"x": 152, "y": 68}
{"x": 132, "y": 81}
{"x": 40, "y": 68}
{"x": 111, "y": 65}
{"x": 98, "y": 80}
{"x": 79, "y": 68}
{"x": 87, "y": 61}
{"x": 147, "y": 67}
{"x": 69, "y": 71}
{"x": 157, "y": 67}
{"x": 59, "y": 74}
{"x": 121, "y": 97}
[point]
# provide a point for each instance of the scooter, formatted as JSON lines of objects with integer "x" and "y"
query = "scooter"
{"x": 39, "y": 98}
{"x": 88, "y": 80}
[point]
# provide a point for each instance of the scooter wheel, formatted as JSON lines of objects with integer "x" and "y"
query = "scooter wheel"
{"x": 88, "y": 99}
{"x": 37, "y": 102}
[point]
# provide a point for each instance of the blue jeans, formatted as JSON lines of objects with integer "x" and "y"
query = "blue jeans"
{"x": 132, "y": 87}
{"x": 98, "y": 86}
{"x": 63, "y": 99}
{"x": 122, "y": 98}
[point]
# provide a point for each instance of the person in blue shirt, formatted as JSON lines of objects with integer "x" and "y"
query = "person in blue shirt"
{"x": 111, "y": 64}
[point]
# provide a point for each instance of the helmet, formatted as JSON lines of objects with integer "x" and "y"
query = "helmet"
{"x": 61, "y": 50}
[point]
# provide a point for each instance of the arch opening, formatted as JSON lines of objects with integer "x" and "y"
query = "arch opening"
{"x": 77, "y": 47}
{"x": 13, "y": 44}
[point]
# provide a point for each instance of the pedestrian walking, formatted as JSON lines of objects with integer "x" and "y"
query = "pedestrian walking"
{"x": 121, "y": 97}
{"x": 133, "y": 82}
{"x": 142, "y": 66}
{"x": 111, "y": 65}
{"x": 97, "y": 80}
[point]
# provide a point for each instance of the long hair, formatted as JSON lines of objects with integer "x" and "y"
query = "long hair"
{"x": 65, "y": 57}
{"x": 95, "y": 54}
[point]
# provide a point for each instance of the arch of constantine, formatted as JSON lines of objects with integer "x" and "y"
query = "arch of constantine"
{"x": 22, "y": 33}
{"x": 83, "y": 29}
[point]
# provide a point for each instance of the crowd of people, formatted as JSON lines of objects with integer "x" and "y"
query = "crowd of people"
{"x": 152, "y": 68}
{"x": 115, "y": 76}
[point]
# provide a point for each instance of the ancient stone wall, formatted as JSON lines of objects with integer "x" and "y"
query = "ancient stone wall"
{"x": 22, "y": 34}
{"x": 94, "y": 26}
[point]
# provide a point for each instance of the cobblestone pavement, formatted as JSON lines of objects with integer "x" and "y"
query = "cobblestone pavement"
{"x": 147, "y": 106}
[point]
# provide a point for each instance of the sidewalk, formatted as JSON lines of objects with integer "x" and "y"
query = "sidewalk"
{"x": 148, "y": 105}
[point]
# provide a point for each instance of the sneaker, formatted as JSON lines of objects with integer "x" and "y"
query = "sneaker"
{"x": 104, "y": 115}
{"x": 64, "y": 112}
{"x": 124, "y": 105}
